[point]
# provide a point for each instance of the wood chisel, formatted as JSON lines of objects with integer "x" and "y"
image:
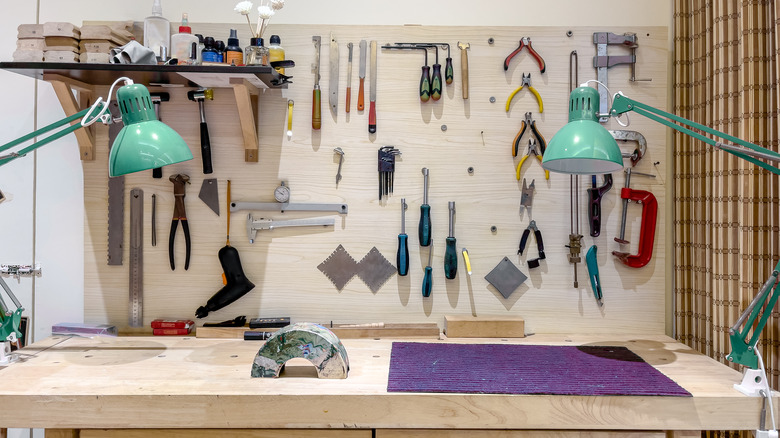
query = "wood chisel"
{"x": 316, "y": 109}
{"x": 333, "y": 91}
{"x": 361, "y": 74}
{"x": 372, "y": 92}
{"x": 136, "y": 318}
{"x": 349, "y": 76}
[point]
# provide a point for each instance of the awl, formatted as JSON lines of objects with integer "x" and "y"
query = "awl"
{"x": 361, "y": 74}
{"x": 333, "y": 90}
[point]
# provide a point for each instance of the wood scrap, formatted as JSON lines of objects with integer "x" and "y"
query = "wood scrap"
{"x": 105, "y": 33}
{"x": 96, "y": 46}
{"x": 95, "y": 58}
{"x": 28, "y": 56}
{"x": 466, "y": 326}
{"x": 30, "y": 44}
{"x": 30, "y": 31}
{"x": 60, "y": 56}
{"x": 58, "y": 28}
{"x": 61, "y": 43}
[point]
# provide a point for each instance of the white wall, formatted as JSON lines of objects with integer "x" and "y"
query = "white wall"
{"x": 45, "y": 213}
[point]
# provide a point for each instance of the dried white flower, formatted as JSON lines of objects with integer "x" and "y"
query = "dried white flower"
{"x": 265, "y": 12}
{"x": 277, "y": 4}
{"x": 244, "y": 8}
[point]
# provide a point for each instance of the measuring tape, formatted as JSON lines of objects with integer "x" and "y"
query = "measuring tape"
{"x": 136, "y": 257}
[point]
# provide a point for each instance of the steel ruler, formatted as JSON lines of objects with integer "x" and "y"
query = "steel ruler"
{"x": 136, "y": 257}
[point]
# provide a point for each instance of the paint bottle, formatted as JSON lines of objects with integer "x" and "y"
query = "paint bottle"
{"x": 210, "y": 53}
{"x": 219, "y": 45}
{"x": 234, "y": 55}
{"x": 276, "y": 52}
{"x": 157, "y": 33}
{"x": 181, "y": 43}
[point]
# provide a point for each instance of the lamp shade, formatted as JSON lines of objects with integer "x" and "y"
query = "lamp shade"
{"x": 583, "y": 146}
{"x": 144, "y": 142}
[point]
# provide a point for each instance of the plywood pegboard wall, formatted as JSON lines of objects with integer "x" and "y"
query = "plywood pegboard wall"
{"x": 282, "y": 263}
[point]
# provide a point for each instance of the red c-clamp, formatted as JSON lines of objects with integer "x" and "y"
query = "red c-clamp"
{"x": 647, "y": 230}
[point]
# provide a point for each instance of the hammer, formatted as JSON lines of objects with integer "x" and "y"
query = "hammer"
{"x": 157, "y": 100}
{"x": 464, "y": 67}
{"x": 200, "y": 95}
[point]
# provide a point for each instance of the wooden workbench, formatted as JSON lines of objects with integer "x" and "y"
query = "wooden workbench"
{"x": 183, "y": 382}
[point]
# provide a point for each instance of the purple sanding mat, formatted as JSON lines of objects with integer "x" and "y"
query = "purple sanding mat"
{"x": 524, "y": 369}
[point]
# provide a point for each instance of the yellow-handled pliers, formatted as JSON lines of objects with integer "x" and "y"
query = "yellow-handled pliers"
{"x": 526, "y": 82}
{"x": 535, "y": 149}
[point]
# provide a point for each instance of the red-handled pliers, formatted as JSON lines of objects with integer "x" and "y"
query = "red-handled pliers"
{"x": 526, "y": 42}
{"x": 179, "y": 181}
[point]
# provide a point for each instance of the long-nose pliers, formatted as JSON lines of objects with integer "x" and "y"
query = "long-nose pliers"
{"x": 526, "y": 82}
{"x": 179, "y": 181}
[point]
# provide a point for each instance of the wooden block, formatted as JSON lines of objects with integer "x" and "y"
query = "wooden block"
{"x": 30, "y": 44}
{"x": 58, "y": 28}
{"x": 60, "y": 56}
{"x": 464, "y": 326}
{"x": 61, "y": 43}
{"x": 95, "y": 46}
{"x": 106, "y": 33}
{"x": 95, "y": 58}
{"x": 28, "y": 55}
{"x": 30, "y": 31}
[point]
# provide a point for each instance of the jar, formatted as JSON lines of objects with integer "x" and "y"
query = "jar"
{"x": 256, "y": 53}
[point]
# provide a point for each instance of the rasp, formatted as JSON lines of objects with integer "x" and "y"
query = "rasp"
{"x": 333, "y": 90}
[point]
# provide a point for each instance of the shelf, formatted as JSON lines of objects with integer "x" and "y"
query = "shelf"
{"x": 83, "y": 77}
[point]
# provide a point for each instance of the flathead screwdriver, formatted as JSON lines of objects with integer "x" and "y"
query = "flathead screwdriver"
{"x": 402, "y": 258}
{"x": 427, "y": 284}
{"x": 451, "y": 252}
{"x": 424, "y": 228}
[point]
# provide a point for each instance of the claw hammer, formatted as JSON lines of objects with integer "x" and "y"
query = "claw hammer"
{"x": 647, "y": 230}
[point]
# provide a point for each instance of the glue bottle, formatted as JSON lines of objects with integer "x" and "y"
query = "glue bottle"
{"x": 276, "y": 52}
{"x": 181, "y": 43}
{"x": 157, "y": 33}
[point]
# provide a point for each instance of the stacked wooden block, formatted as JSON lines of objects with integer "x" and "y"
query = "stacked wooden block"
{"x": 29, "y": 43}
{"x": 62, "y": 42}
{"x": 98, "y": 40}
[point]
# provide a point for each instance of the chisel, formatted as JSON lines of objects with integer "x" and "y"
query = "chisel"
{"x": 333, "y": 89}
{"x": 402, "y": 259}
{"x": 451, "y": 253}
{"x": 361, "y": 74}
{"x": 316, "y": 109}
{"x": 349, "y": 77}
{"x": 424, "y": 228}
{"x": 372, "y": 92}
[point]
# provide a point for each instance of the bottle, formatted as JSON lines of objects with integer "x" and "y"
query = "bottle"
{"x": 181, "y": 43}
{"x": 210, "y": 53}
{"x": 233, "y": 53}
{"x": 276, "y": 52}
{"x": 219, "y": 45}
{"x": 157, "y": 33}
{"x": 256, "y": 53}
{"x": 201, "y": 46}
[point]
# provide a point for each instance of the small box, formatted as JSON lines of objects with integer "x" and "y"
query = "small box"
{"x": 85, "y": 330}
{"x": 269, "y": 322}
{"x": 459, "y": 326}
{"x": 170, "y": 323}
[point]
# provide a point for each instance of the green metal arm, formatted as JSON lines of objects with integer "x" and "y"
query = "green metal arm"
{"x": 749, "y": 151}
{"x": 742, "y": 350}
{"x": 9, "y": 322}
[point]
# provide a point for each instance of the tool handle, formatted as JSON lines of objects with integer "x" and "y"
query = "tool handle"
{"x": 171, "y": 240}
{"x": 290, "y": 105}
{"x": 467, "y": 260}
{"x": 450, "y": 259}
{"x": 424, "y": 228}
{"x": 187, "y": 243}
{"x": 591, "y": 261}
{"x": 157, "y": 172}
{"x": 316, "y": 109}
{"x": 512, "y": 55}
{"x": 539, "y": 137}
{"x": 205, "y": 148}
{"x": 360, "y": 103}
{"x": 349, "y": 96}
{"x": 237, "y": 284}
{"x": 425, "y": 84}
{"x": 516, "y": 142}
{"x": 372, "y": 117}
{"x": 546, "y": 172}
{"x": 427, "y": 284}
{"x": 520, "y": 166}
{"x": 539, "y": 60}
{"x": 436, "y": 82}
{"x": 402, "y": 258}
{"x": 538, "y": 98}
{"x": 449, "y": 74}
{"x": 464, "y": 73}
{"x": 523, "y": 241}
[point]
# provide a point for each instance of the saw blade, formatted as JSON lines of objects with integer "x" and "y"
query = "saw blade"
{"x": 209, "y": 194}
{"x": 339, "y": 267}
{"x": 116, "y": 198}
{"x": 136, "y": 257}
{"x": 374, "y": 269}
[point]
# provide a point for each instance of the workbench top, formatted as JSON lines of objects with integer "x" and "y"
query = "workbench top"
{"x": 186, "y": 382}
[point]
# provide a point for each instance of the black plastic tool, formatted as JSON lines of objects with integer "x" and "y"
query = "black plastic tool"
{"x": 451, "y": 253}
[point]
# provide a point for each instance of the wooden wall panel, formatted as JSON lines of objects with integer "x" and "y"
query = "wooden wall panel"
{"x": 283, "y": 262}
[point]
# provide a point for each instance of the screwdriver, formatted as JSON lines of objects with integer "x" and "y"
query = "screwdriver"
{"x": 451, "y": 253}
{"x": 425, "y": 79}
{"x": 436, "y": 76}
{"x": 428, "y": 277}
{"x": 424, "y": 229}
{"x": 402, "y": 258}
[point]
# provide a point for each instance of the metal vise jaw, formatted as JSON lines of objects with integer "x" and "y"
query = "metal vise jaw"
{"x": 602, "y": 61}
{"x": 305, "y": 340}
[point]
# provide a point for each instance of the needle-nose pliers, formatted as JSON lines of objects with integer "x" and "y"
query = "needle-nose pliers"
{"x": 179, "y": 181}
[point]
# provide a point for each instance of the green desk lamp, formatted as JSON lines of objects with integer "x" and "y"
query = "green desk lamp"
{"x": 584, "y": 147}
{"x": 143, "y": 143}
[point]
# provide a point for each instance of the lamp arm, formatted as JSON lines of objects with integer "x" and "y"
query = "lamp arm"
{"x": 749, "y": 151}
{"x": 9, "y": 321}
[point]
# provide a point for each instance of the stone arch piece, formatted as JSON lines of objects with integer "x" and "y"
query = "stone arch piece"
{"x": 310, "y": 341}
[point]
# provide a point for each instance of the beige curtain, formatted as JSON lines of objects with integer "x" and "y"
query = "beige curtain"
{"x": 726, "y": 209}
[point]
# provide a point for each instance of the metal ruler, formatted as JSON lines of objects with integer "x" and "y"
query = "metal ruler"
{"x": 136, "y": 257}
{"x": 116, "y": 198}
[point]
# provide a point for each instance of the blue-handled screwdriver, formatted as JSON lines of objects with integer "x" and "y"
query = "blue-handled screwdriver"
{"x": 402, "y": 258}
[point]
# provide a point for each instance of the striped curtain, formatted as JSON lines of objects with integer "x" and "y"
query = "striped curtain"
{"x": 726, "y": 210}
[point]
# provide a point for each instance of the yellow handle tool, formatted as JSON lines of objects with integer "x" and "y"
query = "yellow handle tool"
{"x": 290, "y": 104}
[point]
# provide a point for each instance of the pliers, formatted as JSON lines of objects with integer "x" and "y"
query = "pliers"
{"x": 538, "y": 151}
{"x": 526, "y": 42}
{"x": 179, "y": 181}
{"x": 533, "y": 263}
{"x": 526, "y": 82}
{"x": 528, "y": 121}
